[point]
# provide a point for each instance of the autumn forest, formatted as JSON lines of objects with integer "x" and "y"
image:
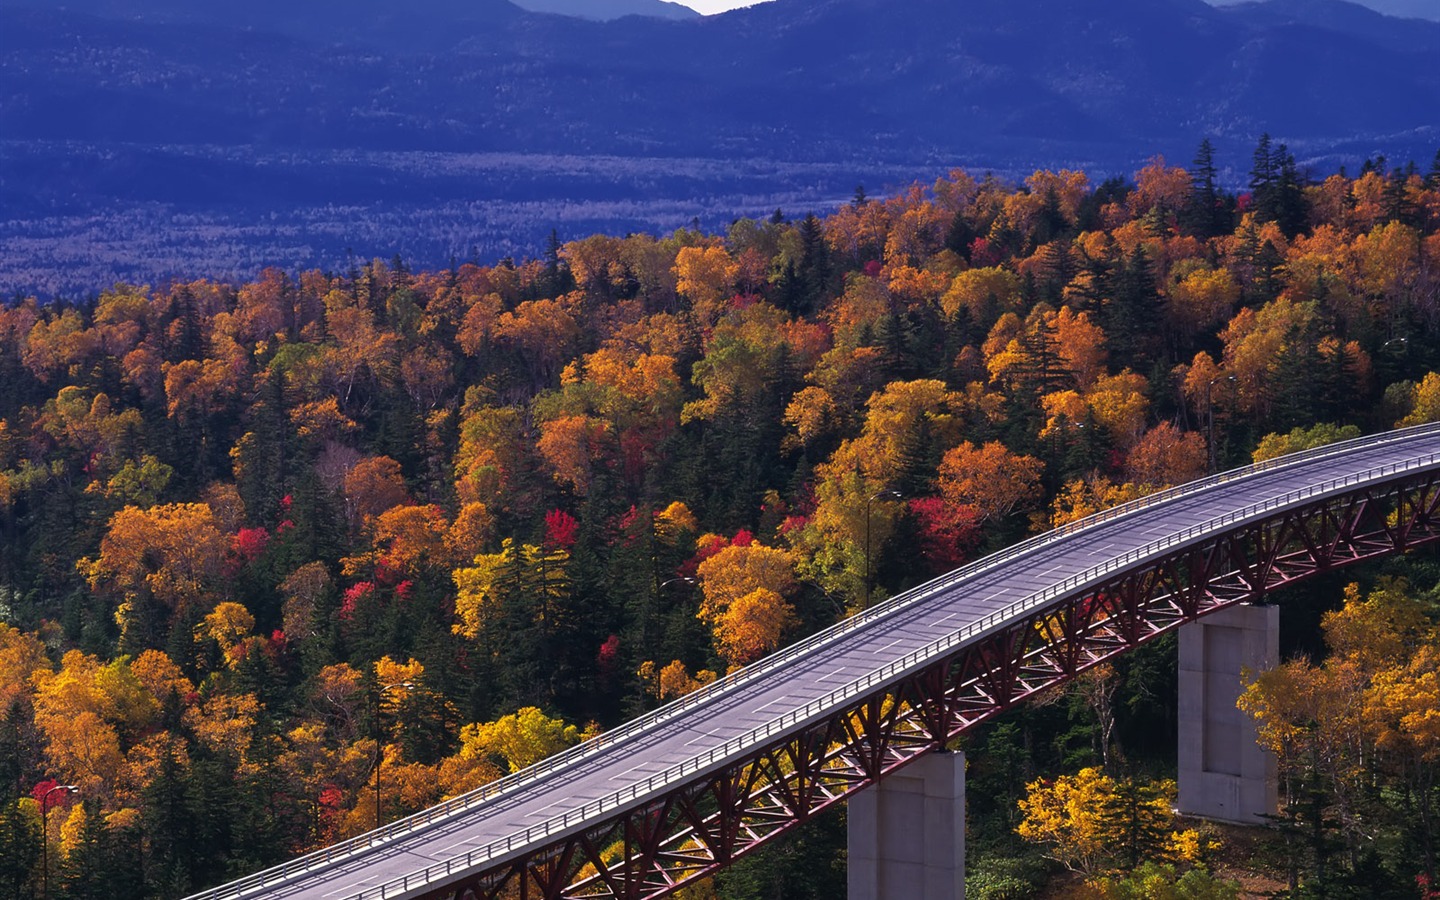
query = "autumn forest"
{"x": 260, "y": 541}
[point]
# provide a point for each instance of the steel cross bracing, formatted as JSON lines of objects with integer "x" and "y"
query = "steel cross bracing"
{"x": 682, "y": 792}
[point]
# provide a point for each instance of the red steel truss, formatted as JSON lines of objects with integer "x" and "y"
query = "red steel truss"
{"x": 703, "y": 825}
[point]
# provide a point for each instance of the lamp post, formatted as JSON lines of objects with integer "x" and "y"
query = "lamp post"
{"x": 1210, "y": 418}
{"x": 380, "y": 737}
{"x": 890, "y": 495}
{"x": 45, "y": 835}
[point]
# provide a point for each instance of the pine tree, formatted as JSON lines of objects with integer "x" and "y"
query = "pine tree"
{"x": 19, "y": 847}
{"x": 1291, "y": 210}
{"x": 101, "y": 864}
{"x": 169, "y": 827}
{"x": 814, "y": 269}
{"x": 1205, "y": 215}
{"x": 1264, "y": 175}
{"x": 1050, "y": 223}
{"x": 1298, "y": 381}
{"x": 961, "y": 234}
{"x": 1132, "y": 317}
{"x": 1057, "y": 269}
{"x": 557, "y": 279}
{"x": 1137, "y": 815}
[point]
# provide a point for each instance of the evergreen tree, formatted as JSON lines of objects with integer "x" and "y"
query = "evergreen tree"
{"x": 1398, "y": 207}
{"x": 1205, "y": 215}
{"x": 1264, "y": 175}
{"x": 961, "y": 234}
{"x": 1137, "y": 814}
{"x": 102, "y": 863}
{"x": 814, "y": 269}
{"x": 1050, "y": 223}
{"x": 19, "y": 848}
{"x": 1291, "y": 210}
{"x": 1091, "y": 295}
{"x": 1298, "y": 380}
{"x": 1277, "y": 189}
{"x": 557, "y": 279}
{"x": 1058, "y": 267}
{"x": 170, "y": 829}
{"x": 1112, "y": 190}
{"x": 1132, "y": 316}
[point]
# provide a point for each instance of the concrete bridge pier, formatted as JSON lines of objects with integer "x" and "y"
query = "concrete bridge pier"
{"x": 907, "y": 833}
{"x": 1223, "y": 773}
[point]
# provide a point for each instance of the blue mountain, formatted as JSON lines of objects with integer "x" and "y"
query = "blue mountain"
{"x": 224, "y": 108}
{"x": 606, "y": 10}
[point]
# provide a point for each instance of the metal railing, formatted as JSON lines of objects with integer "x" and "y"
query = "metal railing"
{"x": 441, "y": 812}
{"x": 876, "y": 679}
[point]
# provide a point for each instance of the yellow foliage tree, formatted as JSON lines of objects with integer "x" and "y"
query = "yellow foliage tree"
{"x": 705, "y": 275}
{"x": 173, "y": 552}
{"x": 521, "y": 739}
{"x": 22, "y": 659}
{"x": 81, "y": 744}
{"x": 1078, "y": 499}
{"x": 1066, "y": 815}
{"x": 1089, "y": 821}
{"x": 743, "y": 591}
{"x": 752, "y": 626}
{"x": 981, "y": 290}
{"x": 229, "y": 624}
{"x": 673, "y": 681}
{"x": 1424, "y": 402}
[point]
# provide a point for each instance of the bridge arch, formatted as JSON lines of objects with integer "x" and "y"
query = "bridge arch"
{"x": 970, "y": 645}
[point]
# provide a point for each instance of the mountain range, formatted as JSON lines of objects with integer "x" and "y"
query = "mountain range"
{"x": 211, "y": 107}
{"x": 605, "y": 10}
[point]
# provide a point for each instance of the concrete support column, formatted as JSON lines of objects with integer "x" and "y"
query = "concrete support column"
{"x": 907, "y": 833}
{"x": 1224, "y": 773}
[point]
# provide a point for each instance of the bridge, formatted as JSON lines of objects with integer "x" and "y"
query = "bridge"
{"x": 683, "y": 791}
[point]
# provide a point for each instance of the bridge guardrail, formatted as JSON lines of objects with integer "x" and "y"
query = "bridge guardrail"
{"x": 343, "y": 850}
{"x": 789, "y": 720}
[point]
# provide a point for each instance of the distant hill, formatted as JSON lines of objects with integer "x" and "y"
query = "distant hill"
{"x": 408, "y": 27}
{"x": 1405, "y": 9}
{"x": 605, "y": 10}
{"x": 1414, "y": 9}
{"x": 795, "y": 79}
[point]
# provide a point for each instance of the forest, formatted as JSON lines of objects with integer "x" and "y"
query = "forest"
{"x": 283, "y": 559}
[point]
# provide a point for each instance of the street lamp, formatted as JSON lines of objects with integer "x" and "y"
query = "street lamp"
{"x": 45, "y": 835}
{"x": 889, "y": 495}
{"x": 1210, "y": 417}
{"x": 683, "y": 579}
{"x": 380, "y": 737}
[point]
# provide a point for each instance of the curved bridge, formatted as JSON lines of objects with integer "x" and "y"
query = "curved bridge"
{"x": 683, "y": 791}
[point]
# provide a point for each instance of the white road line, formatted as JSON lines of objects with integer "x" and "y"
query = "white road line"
{"x": 349, "y": 887}
{"x": 880, "y": 650}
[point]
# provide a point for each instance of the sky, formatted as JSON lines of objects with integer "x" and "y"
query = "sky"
{"x": 709, "y": 7}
